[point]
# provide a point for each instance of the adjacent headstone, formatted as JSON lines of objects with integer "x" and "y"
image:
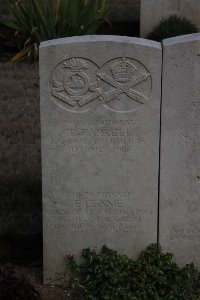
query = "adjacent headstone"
{"x": 152, "y": 11}
{"x": 180, "y": 146}
{"x": 100, "y": 107}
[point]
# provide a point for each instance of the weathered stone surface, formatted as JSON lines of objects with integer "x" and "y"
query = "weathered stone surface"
{"x": 100, "y": 102}
{"x": 152, "y": 11}
{"x": 180, "y": 159}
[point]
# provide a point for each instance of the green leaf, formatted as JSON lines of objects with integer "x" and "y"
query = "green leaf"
{"x": 21, "y": 55}
{"x": 40, "y": 20}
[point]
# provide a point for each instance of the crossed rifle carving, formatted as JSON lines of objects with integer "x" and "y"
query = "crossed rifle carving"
{"x": 124, "y": 88}
{"x": 120, "y": 88}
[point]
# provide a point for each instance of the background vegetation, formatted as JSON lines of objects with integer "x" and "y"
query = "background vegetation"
{"x": 35, "y": 21}
{"x": 172, "y": 26}
{"x": 154, "y": 275}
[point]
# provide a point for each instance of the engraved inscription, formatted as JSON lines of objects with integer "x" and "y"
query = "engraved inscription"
{"x": 98, "y": 212}
{"x": 187, "y": 140}
{"x": 106, "y": 135}
{"x": 78, "y": 84}
{"x": 180, "y": 233}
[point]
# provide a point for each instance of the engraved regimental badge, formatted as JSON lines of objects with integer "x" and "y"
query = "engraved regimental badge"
{"x": 126, "y": 84}
{"x": 72, "y": 84}
{"x": 121, "y": 84}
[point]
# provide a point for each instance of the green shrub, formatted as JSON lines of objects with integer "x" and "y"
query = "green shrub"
{"x": 170, "y": 27}
{"x": 14, "y": 286}
{"x": 39, "y": 20}
{"x": 111, "y": 276}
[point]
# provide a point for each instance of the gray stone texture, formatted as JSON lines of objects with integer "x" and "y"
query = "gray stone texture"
{"x": 100, "y": 104}
{"x": 152, "y": 11}
{"x": 180, "y": 143}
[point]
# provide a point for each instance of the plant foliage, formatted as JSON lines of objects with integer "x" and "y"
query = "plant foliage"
{"x": 111, "y": 276}
{"x": 39, "y": 20}
{"x": 15, "y": 287}
{"x": 172, "y": 26}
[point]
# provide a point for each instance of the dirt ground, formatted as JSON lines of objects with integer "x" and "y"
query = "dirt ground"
{"x": 47, "y": 292}
{"x": 20, "y": 163}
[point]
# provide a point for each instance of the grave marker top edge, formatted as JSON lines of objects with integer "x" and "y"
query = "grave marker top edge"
{"x": 99, "y": 38}
{"x": 181, "y": 39}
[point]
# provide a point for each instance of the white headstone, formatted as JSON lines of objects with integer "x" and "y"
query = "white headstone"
{"x": 100, "y": 103}
{"x": 180, "y": 145}
{"x": 152, "y": 11}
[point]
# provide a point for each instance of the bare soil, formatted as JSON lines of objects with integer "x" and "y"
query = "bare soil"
{"x": 20, "y": 163}
{"x": 47, "y": 292}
